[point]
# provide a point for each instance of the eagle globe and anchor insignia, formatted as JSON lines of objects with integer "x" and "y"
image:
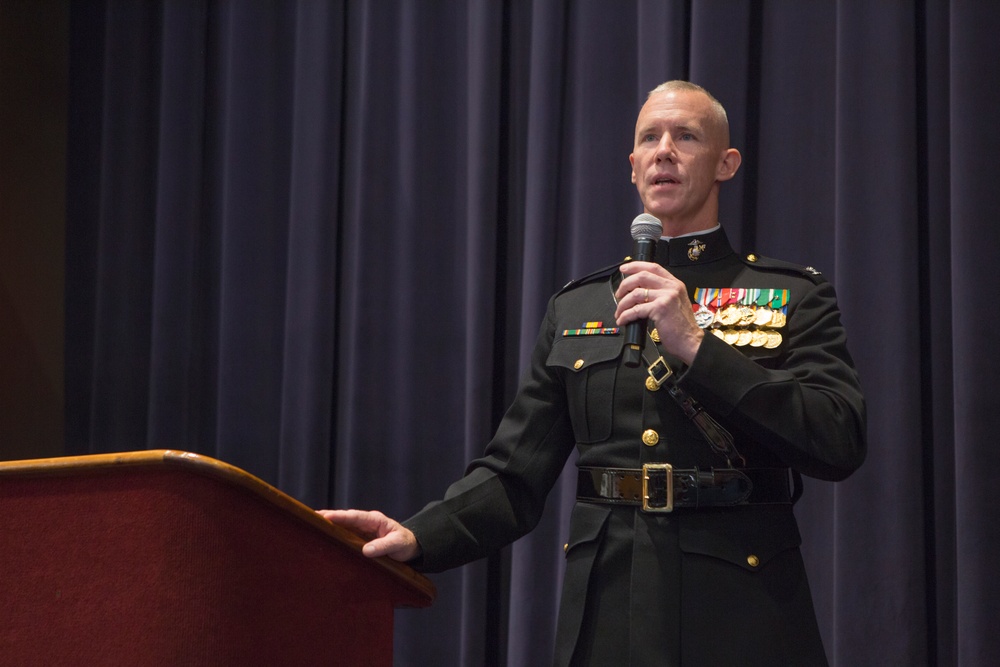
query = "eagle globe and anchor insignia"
{"x": 695, "y": 248}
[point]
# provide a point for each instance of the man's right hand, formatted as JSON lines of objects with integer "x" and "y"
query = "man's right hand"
{"x": 385, "y": 536}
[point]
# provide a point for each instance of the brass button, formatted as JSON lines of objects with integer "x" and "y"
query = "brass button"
{"x": 566, "y": 547}
{"x": 651, "y": 384}
{"x": 655, "y": 335}
{"x": 579, "y": 364}
{"x": 753, "y": 561}
{"x": 650, "y": 437}
{"x": 751, "y": 257}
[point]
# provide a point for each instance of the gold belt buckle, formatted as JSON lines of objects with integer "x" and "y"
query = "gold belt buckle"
{"x": 668, "y": 471}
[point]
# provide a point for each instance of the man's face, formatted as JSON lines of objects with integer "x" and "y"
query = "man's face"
{"x": 679, "y": 157}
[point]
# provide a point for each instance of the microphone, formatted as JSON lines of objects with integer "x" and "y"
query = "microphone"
{"x": 646, "y": 230}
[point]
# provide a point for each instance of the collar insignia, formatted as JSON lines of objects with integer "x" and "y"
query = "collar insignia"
{"x": 695, "y": 248}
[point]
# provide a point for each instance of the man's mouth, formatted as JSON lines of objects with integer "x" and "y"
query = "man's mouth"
{"x": 665, "y": 180}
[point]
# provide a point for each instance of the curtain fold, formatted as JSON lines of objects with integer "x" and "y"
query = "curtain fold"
{"x": 316, "y": 240}
{"x": 875, "y": 255}
{"x": 974, "y": 99}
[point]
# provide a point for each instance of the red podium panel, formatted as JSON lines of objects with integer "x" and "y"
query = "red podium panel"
{"x": 171, "y": 558}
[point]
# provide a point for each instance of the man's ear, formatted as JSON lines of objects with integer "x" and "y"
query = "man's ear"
{"x": 631, "y": 161}
{"x": 729, "y": 164}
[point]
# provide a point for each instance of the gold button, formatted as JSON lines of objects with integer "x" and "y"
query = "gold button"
{"x": 751, "y": 257}
{"x": 650, "y": 437}
{"x": 566, "y": 547}
{"x": 753, "y": 561}
{"x": 579, "y": 364}
{"x": 651, "y": 384}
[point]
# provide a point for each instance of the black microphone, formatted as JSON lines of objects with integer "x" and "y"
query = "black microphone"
{"x": 646, "y": 231}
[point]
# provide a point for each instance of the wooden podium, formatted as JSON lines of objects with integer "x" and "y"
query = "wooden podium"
{"x": 171, "y": 558}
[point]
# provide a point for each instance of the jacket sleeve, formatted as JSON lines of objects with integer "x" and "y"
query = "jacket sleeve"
{"x": 808, "y": 409}
{"x": 502, "y": 494}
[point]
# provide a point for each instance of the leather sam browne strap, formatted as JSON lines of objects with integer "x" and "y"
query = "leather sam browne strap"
{"x": 662, "y": 488}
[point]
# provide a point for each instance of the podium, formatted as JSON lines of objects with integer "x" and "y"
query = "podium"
{"x": 171, "y": 558}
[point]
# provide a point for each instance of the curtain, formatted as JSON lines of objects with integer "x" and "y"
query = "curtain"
{"x": 316, "y": 239}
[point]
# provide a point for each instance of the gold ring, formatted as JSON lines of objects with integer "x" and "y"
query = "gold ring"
{"x": 646, "y": 298}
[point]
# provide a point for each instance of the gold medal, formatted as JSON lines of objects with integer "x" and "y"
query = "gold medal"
{"x": 778, "y": 319}
{"x": 762, "y": 317}
{"x": 773, "y": 340}
{"x": 719, "y": 333}
{"x": 744, "y": 337}
{"x": 729, "y": 315}
{"x": 731, "y": 336}
{"x": 747, "y": 315}
{"x": 758, "y": 338}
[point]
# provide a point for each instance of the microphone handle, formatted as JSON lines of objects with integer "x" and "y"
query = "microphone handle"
{"x": 635, "y": 332}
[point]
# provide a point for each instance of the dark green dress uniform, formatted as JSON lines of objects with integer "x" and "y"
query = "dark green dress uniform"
{"x": 715, "y": 581}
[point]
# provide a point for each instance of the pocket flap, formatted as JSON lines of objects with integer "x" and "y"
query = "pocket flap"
{"x": 586, "y": 524}
{"x": 749, "y": 539}
{"x": 578, "y": 353}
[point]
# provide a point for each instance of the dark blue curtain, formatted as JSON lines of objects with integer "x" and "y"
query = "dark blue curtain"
{"x": 315, "y": 240}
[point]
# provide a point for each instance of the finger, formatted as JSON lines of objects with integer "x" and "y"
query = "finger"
{"x": 630, "y": 290}
{"x": 631, "y": 268}
{"x": 629, "y": 310}
{"x": 363, "y": 521}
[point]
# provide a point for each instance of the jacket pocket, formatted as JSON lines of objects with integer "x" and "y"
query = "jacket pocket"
{"x": 590, "y": 366}
{"x": 586, "y": 529}
{"x": 748, "y": 537}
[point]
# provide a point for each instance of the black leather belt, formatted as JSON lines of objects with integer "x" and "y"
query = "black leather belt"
{"x": 659, "y": 487}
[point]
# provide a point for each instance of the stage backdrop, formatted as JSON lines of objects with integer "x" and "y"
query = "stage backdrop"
{"x": 315, "y": 240}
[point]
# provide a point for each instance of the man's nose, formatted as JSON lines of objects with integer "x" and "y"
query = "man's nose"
{"x": 666, "y": 149}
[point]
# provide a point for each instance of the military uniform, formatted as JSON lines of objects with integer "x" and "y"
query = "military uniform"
{"x": 719, "y": 579}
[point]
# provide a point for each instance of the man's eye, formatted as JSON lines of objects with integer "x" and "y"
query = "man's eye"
{"x": 649, "y": 137}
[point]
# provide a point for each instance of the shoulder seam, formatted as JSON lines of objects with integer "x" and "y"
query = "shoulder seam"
{"x": 593, "y": 275}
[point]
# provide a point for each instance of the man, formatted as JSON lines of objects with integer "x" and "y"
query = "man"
{"x": 696, "y": 562}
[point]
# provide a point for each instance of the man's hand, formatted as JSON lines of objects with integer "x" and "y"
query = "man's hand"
{"x": 386, "y": 537}
{"x": 648, "y": 291}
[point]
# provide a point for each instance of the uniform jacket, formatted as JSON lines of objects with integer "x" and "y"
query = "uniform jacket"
{"x": 697, "y": 586}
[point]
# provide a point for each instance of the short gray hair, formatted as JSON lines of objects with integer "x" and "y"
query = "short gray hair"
{"x": 680, "y": 85}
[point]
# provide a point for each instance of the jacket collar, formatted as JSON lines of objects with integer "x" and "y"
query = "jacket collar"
{"x": 694, "y": 249}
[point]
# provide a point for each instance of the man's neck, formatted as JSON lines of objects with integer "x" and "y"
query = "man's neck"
{"x": 709, "y": 230}
{"x": 705, "y": 219}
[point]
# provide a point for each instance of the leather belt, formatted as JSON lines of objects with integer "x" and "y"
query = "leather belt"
{"x": 659, "y": 487}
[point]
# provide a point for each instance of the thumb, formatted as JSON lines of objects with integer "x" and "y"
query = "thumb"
{"x": 401, "y": 546}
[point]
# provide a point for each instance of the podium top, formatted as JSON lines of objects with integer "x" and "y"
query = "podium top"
{"x": 419, "y": 585}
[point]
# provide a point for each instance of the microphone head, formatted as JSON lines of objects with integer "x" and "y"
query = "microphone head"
{"x": 646, "y": 227}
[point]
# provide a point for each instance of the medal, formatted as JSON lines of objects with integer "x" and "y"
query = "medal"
{"x": 729, "y": 315}
{"x": 742, "y": 316}
{"x": 703, "y": 317}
